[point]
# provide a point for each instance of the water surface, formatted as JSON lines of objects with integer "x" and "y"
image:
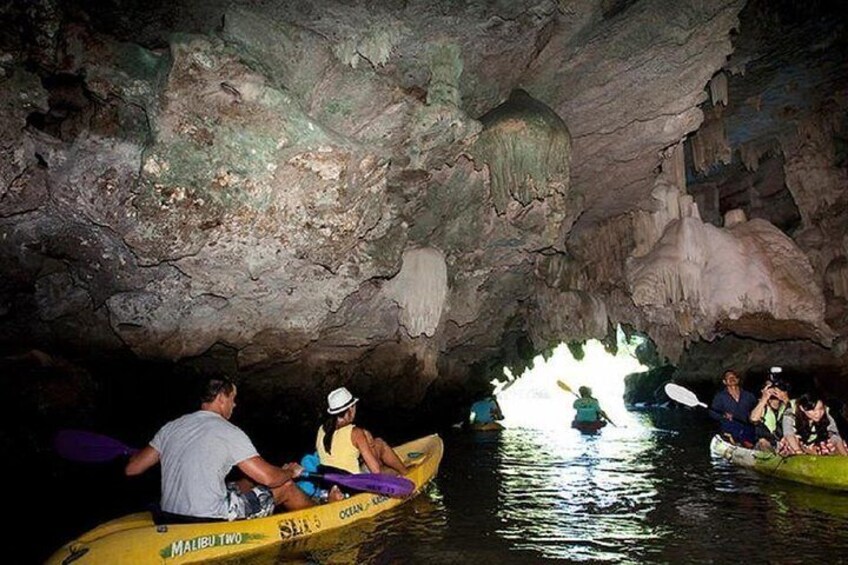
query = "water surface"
{"x": 645, "y": 492}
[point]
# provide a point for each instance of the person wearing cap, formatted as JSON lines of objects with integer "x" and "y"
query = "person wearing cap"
{"x": 343, "y": 446}
{"x": 767, "y": 415}
{"x": 197, "y": 451}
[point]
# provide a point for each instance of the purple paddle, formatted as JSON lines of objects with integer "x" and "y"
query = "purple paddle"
{"x": 368, "y": 482}
{"x": 89, "y": 447}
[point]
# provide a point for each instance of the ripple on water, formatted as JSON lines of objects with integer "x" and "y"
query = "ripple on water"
{"x": 633, "y": 494}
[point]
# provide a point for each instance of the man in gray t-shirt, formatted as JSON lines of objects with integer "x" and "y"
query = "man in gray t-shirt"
{"x": 198, "y": 450}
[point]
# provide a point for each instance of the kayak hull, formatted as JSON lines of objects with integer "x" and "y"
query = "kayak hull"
{"x": 825, "y": 471}
{"x": 135, "y": 539}
{"x": 588, "y": 427}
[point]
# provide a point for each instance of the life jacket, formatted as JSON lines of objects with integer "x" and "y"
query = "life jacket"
{"x": 772, "y": 419}
{"x": 587, "y": 410}
{"x": 818, "y": 432}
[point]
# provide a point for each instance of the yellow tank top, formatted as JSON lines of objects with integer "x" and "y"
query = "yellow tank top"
{"x": 343, "y": 454}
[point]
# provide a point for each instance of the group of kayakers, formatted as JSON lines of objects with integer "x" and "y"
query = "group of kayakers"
{"x": 198, "y": 450}
{"x": 588, "y": 415}
{"x": 775, "y": 422}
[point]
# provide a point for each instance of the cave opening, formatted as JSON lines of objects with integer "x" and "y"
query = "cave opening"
{"x": 536, "y": 399}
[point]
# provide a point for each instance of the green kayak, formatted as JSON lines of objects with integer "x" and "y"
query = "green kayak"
{"x": 826, "y": 471}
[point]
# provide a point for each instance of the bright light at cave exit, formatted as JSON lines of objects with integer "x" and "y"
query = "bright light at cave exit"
{"x": 536, "y": 401}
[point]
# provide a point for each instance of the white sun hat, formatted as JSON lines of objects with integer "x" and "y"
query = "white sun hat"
{"x": 340, "y": 400}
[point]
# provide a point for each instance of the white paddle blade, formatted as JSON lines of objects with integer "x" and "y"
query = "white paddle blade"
{"x": 682, "y": 395}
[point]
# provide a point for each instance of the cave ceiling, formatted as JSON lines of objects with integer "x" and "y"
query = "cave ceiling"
{"x": 416, "y": 191}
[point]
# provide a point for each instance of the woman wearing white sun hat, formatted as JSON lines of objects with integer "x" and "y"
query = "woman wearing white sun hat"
{"x": 343, "y": 446}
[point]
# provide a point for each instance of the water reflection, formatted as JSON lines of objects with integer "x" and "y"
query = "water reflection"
{"x": 646, "y": 492}
{"x": 589, "y": 494}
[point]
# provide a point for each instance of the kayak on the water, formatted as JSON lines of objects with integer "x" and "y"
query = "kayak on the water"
{"x": 588, "y": 427}
{"x": 826, "y": 471}
{"x": 137, "y": 539}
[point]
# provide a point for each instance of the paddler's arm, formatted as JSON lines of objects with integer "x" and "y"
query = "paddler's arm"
{"x": 497, "y": 413}
{"x": 269, "y": 475}
{"x": 719, "y": 409}
{"x": 760, "y": 409}
{"x": 141, "y": 461}
{"x": 789, "y": 434}
{"x": 834, "y": 437}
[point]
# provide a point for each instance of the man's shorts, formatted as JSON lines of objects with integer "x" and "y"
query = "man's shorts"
{"x": 258, "y": 502}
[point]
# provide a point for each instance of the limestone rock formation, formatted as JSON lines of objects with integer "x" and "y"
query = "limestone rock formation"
{"x": 417, "y": 193}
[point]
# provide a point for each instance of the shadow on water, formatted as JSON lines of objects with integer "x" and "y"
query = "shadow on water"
{"x": 645, "y": 492}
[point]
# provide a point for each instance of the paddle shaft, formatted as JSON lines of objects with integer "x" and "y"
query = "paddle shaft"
{"x": 368, "y": 482}
{"x": 683, "y": 395}
{"x": 723, "y": 414}
{"x": 89, "y": 447}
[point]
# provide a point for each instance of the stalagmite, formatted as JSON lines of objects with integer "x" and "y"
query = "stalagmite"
{"x": 698, "y": 275}
{"x": 672, "y": 202}
{"x": 733, "y": 217}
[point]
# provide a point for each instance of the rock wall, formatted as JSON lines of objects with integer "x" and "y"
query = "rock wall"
{"x": 415, "y": 195}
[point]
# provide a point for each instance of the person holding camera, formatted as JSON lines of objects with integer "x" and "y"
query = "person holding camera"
{"x": 767, "y": 415}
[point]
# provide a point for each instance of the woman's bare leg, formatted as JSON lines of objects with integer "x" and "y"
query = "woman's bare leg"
{"x": 388, "y": 456}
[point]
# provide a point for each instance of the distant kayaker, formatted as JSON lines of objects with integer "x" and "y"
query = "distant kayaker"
{"x": 732, "y": 407}
{"x": 344, "y": 447}
{"x": 767, "y": 415}
{"x": 809, "y": 428}
{"x": 198, "y": 450}
{"x": 486, "y": 411}
{"x": 588, "y": 409}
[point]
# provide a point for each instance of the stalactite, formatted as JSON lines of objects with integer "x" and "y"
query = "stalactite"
{"x": 674, "y": 166}
{"x": 603, "y": 251}
{"x": 718, "y": 89}
{"x": 750, "y": 155}
{"x": 813, "y": 177}
{"x": 420, "y": 289}
{"x": 836, "y": 277}
{"x": 709, "y": 143}
{"x": 527, "y": 147}
{"x": 562, "y": 316}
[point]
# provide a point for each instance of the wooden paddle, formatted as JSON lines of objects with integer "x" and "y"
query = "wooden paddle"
{"x": 90, "y": 447}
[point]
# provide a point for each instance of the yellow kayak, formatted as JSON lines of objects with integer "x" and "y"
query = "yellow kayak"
{"x": 135, "y": 539}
